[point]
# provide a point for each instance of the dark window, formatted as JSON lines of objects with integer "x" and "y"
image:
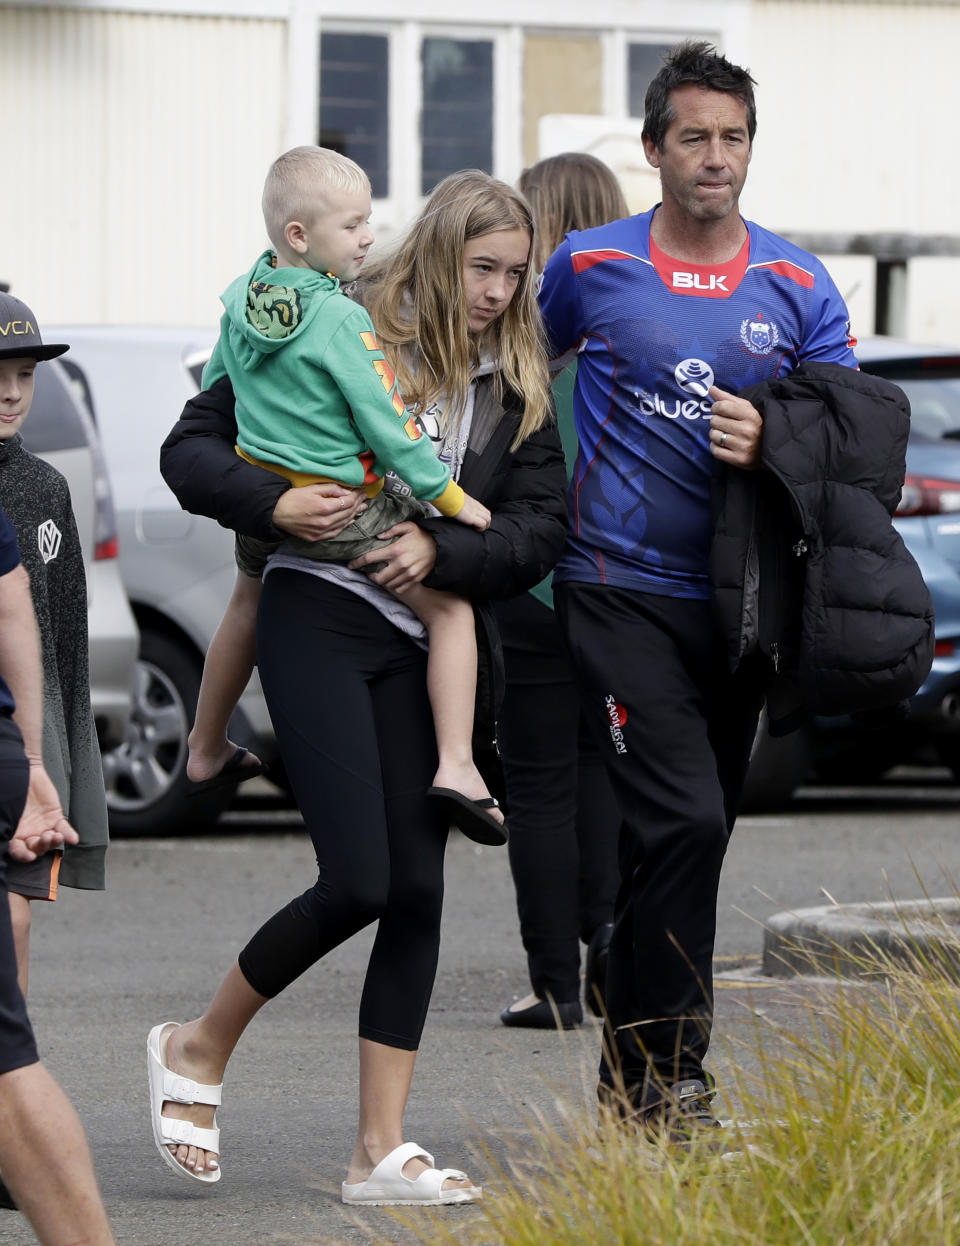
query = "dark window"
{"x": 934, "y": 401}
{"x": 353, "y": 102}
{"x": 457, "y": 108}
{"x": 195, "y": 363}
{"x": 54, "y": 422}
{"x": 643, "y": 65}
{"x": 80, "y": 384}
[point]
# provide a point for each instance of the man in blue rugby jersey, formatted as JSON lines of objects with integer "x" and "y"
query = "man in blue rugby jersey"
{"x": 674, "y": 311}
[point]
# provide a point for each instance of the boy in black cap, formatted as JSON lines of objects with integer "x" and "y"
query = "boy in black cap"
{"x": 36, "y": 499}
{"x": 43, "y": 1150}
{"x": 19, "y": 335}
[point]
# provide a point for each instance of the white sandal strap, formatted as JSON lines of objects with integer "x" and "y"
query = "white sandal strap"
{"x": 432, "y": 1179}
{"x": 184, "y": 1133}
{"x": 401, "y": 1155}
{"x": 185, "y": 1090}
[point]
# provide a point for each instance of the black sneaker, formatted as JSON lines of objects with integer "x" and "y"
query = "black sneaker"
{"x": 684, "y": 1117}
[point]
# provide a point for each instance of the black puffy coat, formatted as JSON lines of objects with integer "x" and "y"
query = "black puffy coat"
{"x": 525, "y": 490}
{"x": 806, "y": 564}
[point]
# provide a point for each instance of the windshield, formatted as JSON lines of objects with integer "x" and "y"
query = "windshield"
{"x": 934, "y": 405}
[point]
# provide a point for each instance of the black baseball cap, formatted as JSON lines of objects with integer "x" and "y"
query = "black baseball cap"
{"x": 19, "y": 335}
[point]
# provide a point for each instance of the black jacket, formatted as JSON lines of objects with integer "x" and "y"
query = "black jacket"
{"x": 525, "y": 489}
{"x": 806, "y": 564}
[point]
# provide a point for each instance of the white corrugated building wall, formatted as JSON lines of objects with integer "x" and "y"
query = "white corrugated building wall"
{"x": 144, "y": 127}
{"x": 856, "y": 103}
{"x": 136, "y": 159}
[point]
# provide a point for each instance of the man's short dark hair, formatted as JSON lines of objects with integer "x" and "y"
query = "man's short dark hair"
{"x": 696, "y": 64}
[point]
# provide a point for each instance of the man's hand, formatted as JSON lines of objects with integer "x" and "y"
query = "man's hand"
{"x": 410, "y": 558}
{"x": 736, "y": 429}
{"x": 42, "y": 825}
{"x": 317, "y": 512}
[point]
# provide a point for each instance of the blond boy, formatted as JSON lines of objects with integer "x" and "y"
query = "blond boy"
{"x": 317, "y": 402}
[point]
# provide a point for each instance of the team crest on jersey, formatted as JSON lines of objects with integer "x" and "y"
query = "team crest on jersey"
{"x": 759, "y": 336}
{"x": 48, "y": 540}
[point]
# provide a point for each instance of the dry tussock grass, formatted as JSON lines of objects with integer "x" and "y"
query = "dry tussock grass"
{"x": 850, "y": 1140}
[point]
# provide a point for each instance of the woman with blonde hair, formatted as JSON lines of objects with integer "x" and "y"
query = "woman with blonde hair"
{"x": 435, "y": 321}
{"x": 343, "y": 667}
{"x": 564, "y": 821}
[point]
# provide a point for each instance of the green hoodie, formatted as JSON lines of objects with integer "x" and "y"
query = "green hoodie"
{"x": 314, "y": 393}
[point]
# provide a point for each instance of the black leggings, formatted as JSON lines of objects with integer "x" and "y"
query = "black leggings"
{"x": 564, "y": 820}
{"x": 347, "y": 694}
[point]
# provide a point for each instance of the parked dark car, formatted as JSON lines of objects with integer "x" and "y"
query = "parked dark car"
{"x": 845, "y": 750}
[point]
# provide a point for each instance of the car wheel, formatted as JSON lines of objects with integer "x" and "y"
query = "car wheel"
{"x": 862, "y": 763}
{"x": 145, "y": 776}
{"x": 778, "y": 765}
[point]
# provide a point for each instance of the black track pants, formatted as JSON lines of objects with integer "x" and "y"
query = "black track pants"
{"x": 675, "y": 730}
{"x": 347, "y": 694}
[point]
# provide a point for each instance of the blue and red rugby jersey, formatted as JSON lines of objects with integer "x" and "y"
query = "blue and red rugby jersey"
{"x": 656, "y": 333}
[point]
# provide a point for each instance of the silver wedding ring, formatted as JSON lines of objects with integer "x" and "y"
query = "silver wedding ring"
{"x": 343, "y": 500}
{"x": 723, "y": 438}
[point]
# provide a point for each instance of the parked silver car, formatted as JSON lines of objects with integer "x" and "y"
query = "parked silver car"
{"x": 59, "y": 429}
{"x": 178, "y": 570}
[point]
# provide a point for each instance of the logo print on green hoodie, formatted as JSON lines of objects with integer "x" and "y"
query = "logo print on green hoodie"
{"x": 274, "y": 311}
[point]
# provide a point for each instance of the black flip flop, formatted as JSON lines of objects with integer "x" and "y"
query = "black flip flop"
{"x": 232, "y": 773}
{"x": 469, "y": 816}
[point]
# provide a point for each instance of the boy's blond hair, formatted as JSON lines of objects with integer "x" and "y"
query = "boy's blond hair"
{"x": 297, "y": 182}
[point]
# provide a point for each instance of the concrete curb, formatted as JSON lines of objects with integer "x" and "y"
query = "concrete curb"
{"x": 854, "y": 940}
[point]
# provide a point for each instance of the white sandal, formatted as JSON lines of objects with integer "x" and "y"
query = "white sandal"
{"x": 388, "y": 1187}
{"x": 165, "y": 1085}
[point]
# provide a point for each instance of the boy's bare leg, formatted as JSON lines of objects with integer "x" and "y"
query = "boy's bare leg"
{"x": 200, "y": 1050}
{"x": 46, "y": 1161}
{"x": 452, "y": 687}
{"x": 226, "y": 673}
{"x": 20, "y": 921}
{"x": 385, "y": 1077}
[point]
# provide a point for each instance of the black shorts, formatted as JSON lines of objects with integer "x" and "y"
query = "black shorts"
{"x": 36, "y": 880}
{"x": 17, "y": 1045}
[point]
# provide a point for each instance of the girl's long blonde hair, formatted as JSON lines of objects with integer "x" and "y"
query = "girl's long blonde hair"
{"x": 416, "y": 302}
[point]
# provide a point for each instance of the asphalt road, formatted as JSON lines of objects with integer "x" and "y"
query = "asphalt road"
{"x": 108, "y": 966}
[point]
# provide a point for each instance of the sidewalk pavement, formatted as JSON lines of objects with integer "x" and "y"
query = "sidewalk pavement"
{"x": 108, "y": 966}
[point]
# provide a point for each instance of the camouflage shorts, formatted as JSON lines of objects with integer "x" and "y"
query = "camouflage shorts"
{"x": 358, "y": 537}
